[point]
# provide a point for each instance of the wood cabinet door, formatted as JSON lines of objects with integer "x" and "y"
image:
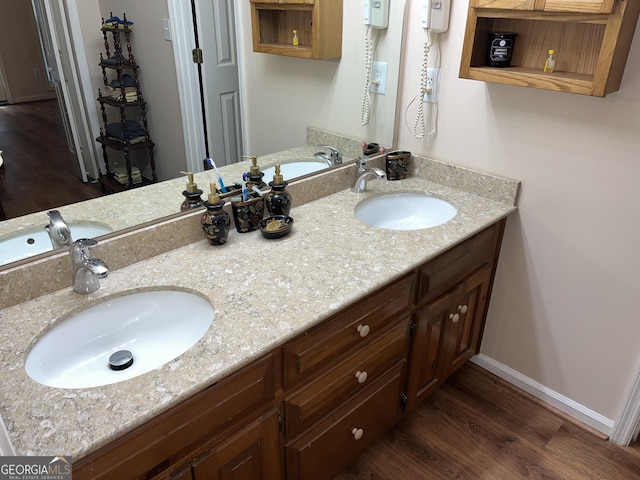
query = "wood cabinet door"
{"x": 464, "y": 321}
{"x": 504, "y": 4}
{"x": 579, "y": 6}
{"x": 573, "y": 6}
{"x": 425, "y": 364}
{"x": 250, "y": 454}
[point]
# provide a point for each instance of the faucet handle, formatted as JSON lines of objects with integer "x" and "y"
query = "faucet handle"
{"x": 80, "y": 248}
{"x": 336, "y": 156}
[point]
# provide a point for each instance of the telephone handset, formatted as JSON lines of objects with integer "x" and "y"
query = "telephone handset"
{"x": 376, "y": 13}
{"x": 435, "y": 15}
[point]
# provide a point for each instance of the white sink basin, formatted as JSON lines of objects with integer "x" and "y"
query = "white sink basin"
{"x": 35, "y": 240}
{"x": 405, "y": 211}
{"x": 155, "y": 326}
{"x": 294, "y": 169}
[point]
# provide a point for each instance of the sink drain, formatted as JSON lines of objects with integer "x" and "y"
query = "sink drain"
{"x": 121, "y": 360}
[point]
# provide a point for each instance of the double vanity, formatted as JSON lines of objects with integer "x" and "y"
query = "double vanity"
{"x": 320, "y": 341}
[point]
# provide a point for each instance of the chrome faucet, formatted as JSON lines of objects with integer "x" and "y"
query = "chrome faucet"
{"x": 333, "y": 157}
{"x": 58, "y": 230}
{"x": 87, "y": 270}
{"x": 364, "y": 173}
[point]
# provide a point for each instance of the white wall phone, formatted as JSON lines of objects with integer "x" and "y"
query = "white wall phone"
{"x": 376, "y": 13}
{"x": 434, "y": 19}
{"x": 435, "y": 15}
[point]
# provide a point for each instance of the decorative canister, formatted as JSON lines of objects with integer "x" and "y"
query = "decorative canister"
{"x": 500, "y": 49}
{"x": 397, "y": 165}
{"x": 247, "y": 215}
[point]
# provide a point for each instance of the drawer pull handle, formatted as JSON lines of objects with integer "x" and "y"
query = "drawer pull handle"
{"x": 363, "y": 330}
{"x": 361, "y": 376}
{"x": 357, "y": 433}
{"x": 454, "y": 317}
{"x": 462, "y": 309}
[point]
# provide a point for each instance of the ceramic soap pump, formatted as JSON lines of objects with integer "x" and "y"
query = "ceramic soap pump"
{"x": 278, "y": 200}
{"x": 215, "y": 221}
{"x": 191, "y": 194}
{"x": 255, "y": 174}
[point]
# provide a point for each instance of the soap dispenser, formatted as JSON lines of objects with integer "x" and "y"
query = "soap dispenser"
{"x": 255, "y": 175}
{"x": 278, "y": 200}
{"x": 192, "y": 194}
{"x": 215, "y": 221}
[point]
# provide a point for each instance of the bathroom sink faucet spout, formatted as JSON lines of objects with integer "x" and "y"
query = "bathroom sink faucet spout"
{"x": 87, "y": 270}
{"x": 58, "y": 230}
{"x": 364, "y": 173}
{"x": 333, "y": 157}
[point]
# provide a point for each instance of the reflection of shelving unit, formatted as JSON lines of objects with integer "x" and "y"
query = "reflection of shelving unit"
{"x": 318, "y": 22}
{"x": 120, "y": 65}
{"x": 592, "y": 38}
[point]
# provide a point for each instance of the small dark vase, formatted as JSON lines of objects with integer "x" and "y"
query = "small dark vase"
{"x": 278, "y": 200}
{"x": 215, "y": 223}
{"x": 191, "y": 201}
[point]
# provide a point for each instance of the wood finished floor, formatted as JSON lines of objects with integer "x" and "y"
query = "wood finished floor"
{"x": 38, "y": 172}
{"x": 477, "y": 427}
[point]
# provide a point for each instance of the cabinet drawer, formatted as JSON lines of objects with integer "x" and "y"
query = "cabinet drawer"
{"x": 353, "y": 327}
{"x": 159, "y": 443}
{"x": 325, "y": 394}
{"x": 324, "y": 450}
{"x": 439, "y": 274}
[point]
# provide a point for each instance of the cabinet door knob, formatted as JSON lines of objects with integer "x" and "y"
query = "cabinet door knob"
{"x": 462, "y": 309}
{"x": 357, "y": 433}
{"x": 454, "y": 317}
{"x": 363, "y": 330}
{"x": 361, "y": 376}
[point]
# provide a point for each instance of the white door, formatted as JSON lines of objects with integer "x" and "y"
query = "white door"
{"x": 221, "y": 87}
{"x": 53, "y": 18}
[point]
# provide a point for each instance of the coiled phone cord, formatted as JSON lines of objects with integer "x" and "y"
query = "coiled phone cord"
{"x": 368, "y": 63}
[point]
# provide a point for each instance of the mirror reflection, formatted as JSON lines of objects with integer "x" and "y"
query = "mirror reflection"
{"x": 279, "y": 98}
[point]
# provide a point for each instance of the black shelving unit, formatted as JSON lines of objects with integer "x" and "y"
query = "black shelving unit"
{"x": 122, "y": 91}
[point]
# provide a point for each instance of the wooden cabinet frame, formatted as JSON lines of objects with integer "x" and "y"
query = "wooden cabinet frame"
{"x": 318, "y": 23}
{"x": 592, "y": 47}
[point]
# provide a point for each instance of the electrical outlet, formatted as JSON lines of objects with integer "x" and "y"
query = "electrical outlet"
{"x": 36, "y": 73}
{"x": 433, "y": 85}
{"x": 379, "y": 78}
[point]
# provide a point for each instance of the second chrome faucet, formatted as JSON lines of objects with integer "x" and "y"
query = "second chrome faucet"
{"x": 364, "y": 173}
{"x": 87, "y": 270}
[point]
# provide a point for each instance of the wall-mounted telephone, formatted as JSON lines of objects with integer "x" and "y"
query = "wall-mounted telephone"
{"x": 376, "y": 13}
{"x": 435, "y": 15}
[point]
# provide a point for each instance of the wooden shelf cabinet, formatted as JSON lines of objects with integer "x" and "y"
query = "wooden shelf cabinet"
{"x": 591, "y": 37}
{"x": 317, "y": 22}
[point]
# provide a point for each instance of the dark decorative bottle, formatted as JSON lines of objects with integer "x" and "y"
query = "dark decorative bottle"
{"x": 215, "y": 221}
{"x": 192, "y": 194}
{"x": 278, "y": 200}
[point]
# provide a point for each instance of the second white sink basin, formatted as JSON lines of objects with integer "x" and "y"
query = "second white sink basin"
{"x": 405, "y": 211}
{"x": 292, "y": 170}
{"x": 35, "y": 240}
{"x": 155, "y": 326}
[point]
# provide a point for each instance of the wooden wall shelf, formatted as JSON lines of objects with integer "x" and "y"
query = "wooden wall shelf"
{"x": 318, "y": 23}
{"x": 592, "y": 47}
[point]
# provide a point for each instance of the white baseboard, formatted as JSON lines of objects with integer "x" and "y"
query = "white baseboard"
{"x": 545, "y": 394}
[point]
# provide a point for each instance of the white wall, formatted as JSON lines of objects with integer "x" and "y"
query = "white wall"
{"x": 283, "y": 95}
{"x": 565, "y": 309}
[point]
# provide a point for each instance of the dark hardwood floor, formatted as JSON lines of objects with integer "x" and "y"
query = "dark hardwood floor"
{"x": 478, "y": 427}
{"x": 38, "y": 166}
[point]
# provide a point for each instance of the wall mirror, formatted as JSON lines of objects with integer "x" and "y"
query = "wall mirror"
{"x": 279, "y": 97}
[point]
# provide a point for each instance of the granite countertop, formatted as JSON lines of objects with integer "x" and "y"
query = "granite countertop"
{"x": 159, "y": 199}
{"x": 263, "y": 291}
